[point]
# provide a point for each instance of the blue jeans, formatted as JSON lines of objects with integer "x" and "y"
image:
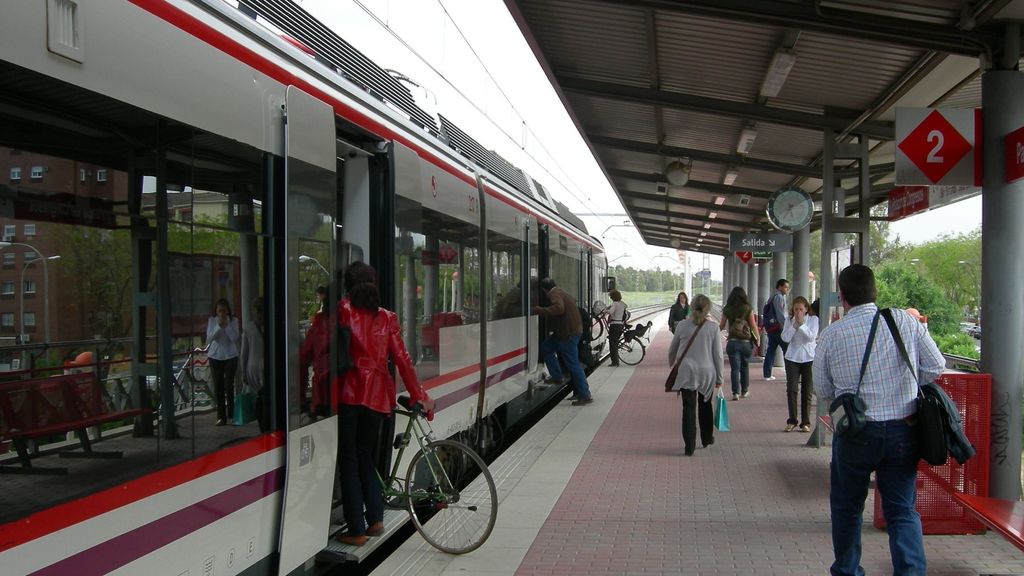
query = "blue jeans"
{"x": 358, "y": 441}
{"x": 890, "y": 450}
{"x": 774, "y": 341}
{"x": 568, "y": 350}
{"x": 739, "y": 352}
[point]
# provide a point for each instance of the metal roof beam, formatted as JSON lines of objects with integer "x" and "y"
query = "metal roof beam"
{"x": 690, "y": 203}
{"x": 742, "y": 224}
{"x": 713, "y": 187}
{"x": 849, "y": 23}
{"x": 754, "y": 112}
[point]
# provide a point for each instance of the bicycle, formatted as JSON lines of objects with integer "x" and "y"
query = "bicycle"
{"x": 599, "y": 319}
{"x": 448, "y": 491}
{"x": 631, "y": 349}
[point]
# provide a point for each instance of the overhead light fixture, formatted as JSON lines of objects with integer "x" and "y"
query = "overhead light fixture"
{"x": 747, "y": 137}
{"x": 730, "y": 176}
{"x": 782, "y": 63}
{"x": 719, "y": 200}
{"x": 713, "y": 215}
{"x": 703, "y": 234}
{"x": 707, "y": 225}
{"x": 677, "y": 172}
{"x": 674, "y": 242}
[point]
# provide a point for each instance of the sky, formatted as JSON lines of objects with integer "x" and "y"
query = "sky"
{"x": 476, "y": 68}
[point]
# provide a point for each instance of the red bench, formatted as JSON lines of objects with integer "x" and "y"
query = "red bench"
{"x": 32, "y": 409}
{"x": 1004, "y": 516}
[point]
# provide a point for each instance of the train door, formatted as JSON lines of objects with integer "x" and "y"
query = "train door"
{"x": 305, "y": 258}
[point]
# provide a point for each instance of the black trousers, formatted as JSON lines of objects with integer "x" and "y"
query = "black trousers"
{"x": 614, "y": 335}
{"x": 799, "y": 378}
{"x": 359, "y": 430}
{"x": 223, "y": 374}
{"x": 697, "y": 410}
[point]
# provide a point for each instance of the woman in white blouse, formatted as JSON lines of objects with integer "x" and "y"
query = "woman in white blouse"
{"x": 222, "y": 341}
{"x": 700, "y": 371}
{"x": 801, "y": 332}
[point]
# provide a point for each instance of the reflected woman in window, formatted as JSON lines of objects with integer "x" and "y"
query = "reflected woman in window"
{"x": 367, "y": 394}
{"x": 222, "y": 341}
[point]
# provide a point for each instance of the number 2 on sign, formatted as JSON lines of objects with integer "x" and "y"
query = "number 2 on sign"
{"x": 933, "y": 156}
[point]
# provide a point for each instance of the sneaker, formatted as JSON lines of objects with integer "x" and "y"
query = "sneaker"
{"x": 769, "y": 378}
{"x": 550, "y": 380}
{"x": 352, "y": 540}
{"x": 735, "y": 397}
{"x": 375, "y": 529}
{"x": 790, "y": 427}
{"x": 805, "y": 427}
{"x": 221, "y": 422}
{"x": 745, "y": 394}
{"x": 583, "y": 401}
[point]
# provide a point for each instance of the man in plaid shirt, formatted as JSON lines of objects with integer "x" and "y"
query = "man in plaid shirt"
{"x": 888, "y": 443}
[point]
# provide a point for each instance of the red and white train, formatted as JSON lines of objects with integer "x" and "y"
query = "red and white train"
{"x": 174, "y": 152}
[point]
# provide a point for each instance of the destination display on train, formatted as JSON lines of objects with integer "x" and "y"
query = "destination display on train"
{"x": 767, "y": 242}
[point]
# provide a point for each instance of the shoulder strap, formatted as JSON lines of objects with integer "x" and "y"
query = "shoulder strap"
{"x": 867, "y": 351}
{"x": 687, "y": 349}
{"x": 887, "y": 314}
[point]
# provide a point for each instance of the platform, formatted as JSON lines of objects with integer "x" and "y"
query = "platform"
{"x": 605, "y": 490}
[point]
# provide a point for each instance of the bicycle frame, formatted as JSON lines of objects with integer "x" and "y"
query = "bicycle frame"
{"x": 417, "y": 427}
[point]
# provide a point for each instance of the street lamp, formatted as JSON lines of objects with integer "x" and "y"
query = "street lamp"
{"x": 21, "y": 291}
{"x": 305, "y": 259}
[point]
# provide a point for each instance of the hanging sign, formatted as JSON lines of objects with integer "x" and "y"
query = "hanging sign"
{"x": 938, "y": 146}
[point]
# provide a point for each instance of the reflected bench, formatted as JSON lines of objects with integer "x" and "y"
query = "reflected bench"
{"x": 31, "y": 409}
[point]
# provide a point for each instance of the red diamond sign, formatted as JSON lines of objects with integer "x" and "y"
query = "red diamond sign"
{"x": 744, "y": 256}
{"x": 935, "y": 145}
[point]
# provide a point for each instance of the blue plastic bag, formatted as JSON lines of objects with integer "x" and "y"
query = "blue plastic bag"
{"x": 244, "y": 409}
{"x": 721, "y": 412}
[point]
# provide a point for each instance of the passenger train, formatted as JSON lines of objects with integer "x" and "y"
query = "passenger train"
{"x": 157, "y": 156}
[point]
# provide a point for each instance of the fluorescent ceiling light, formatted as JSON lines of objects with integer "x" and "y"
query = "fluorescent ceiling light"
{"x": 703, "y": 234}
{"x": 779, "y": 69}
{"x": 747, "y": 137}
{"x": 730, "y": 177}
{"x": 707, "y": 225}
{"x": 719, "y": 200}
{"x": 713, "y": 215}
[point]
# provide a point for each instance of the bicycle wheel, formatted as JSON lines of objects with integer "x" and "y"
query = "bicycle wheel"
{"x": 452, "y": 499}
{"x": 631, "y": 350}
{"x": 597, "y": 329}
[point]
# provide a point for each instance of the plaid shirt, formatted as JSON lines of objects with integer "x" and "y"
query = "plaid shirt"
{"x": 888, "y": 388}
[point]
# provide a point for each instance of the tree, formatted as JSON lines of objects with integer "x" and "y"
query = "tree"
{"x": 941, "y": 260}
{"x": 902, "y": 287}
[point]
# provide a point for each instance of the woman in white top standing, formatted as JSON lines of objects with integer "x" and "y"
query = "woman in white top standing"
{"x": 700, "y": 371}
{"x": 222, "y": 341}
{"x": 801, "y": 332}
{"x": 616, "y": 323}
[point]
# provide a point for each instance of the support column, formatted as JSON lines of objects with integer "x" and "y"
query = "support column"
{"x": 1002, "y": 211}
{"x": 741, "y": 274}
{"x": 765, "y": 285}
{"x": 751, "y": 287}
{"x": 801, "y": 264}
{"x": 780, "y": 263}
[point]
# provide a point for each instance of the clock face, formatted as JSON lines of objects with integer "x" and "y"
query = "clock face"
{"x": 790, "y": 209}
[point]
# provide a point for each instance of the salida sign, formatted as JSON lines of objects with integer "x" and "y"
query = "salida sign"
{"x": 938, "y": 146}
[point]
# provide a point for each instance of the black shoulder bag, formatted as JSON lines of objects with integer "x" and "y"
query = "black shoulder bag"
{"x": 848, "y": 411}
{"x": 931, "y": 422}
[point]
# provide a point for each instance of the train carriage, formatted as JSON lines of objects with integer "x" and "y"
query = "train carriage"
{"x": 159, "y": 155}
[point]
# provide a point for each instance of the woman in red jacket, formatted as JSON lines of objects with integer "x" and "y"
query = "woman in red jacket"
{"x": 366, "y": 396}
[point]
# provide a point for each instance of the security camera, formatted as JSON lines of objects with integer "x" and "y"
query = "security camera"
{"x": 744, "y": 199}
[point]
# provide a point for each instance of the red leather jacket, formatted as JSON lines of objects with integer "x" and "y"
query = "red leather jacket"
{"x": 375, "y": 336}
{"x": 315, "y": 353}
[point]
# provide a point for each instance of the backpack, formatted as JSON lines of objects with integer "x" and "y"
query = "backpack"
{"x": 588, "y": 323}
{"x": 768, "y": 319}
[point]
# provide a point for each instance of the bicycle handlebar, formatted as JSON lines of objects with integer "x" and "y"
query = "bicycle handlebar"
{"x": 414, "y": 410}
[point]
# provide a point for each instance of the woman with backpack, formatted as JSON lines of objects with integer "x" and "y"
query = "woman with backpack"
{"x": 738, "y": 319}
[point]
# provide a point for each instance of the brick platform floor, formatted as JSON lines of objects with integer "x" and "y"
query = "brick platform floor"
{"x": 756, "y": 502}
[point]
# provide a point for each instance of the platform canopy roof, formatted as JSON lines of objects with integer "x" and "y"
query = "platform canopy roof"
{"x": 739, "y": 94}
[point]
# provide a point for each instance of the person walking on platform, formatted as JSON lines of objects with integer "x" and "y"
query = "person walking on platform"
{"x": 738, "y": 319}
{"x": 566, "y": 327}
{"x": 617, "y": 316}
{"x": 222, "y": 341}
{"x": 678, "y": 311}
{"x": 772, "y": 318}
{"x": 800, "y": 332}
{"x": 887, "y": 445}
{"x": 700, "y": 372}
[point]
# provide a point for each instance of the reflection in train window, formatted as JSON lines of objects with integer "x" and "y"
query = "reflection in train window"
{"x": 438, "y": 285}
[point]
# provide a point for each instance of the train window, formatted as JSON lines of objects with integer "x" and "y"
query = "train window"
{"x": 438, "y": 287}
{"x": 505, "y": 290}
{"x": 565, "y": 263}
